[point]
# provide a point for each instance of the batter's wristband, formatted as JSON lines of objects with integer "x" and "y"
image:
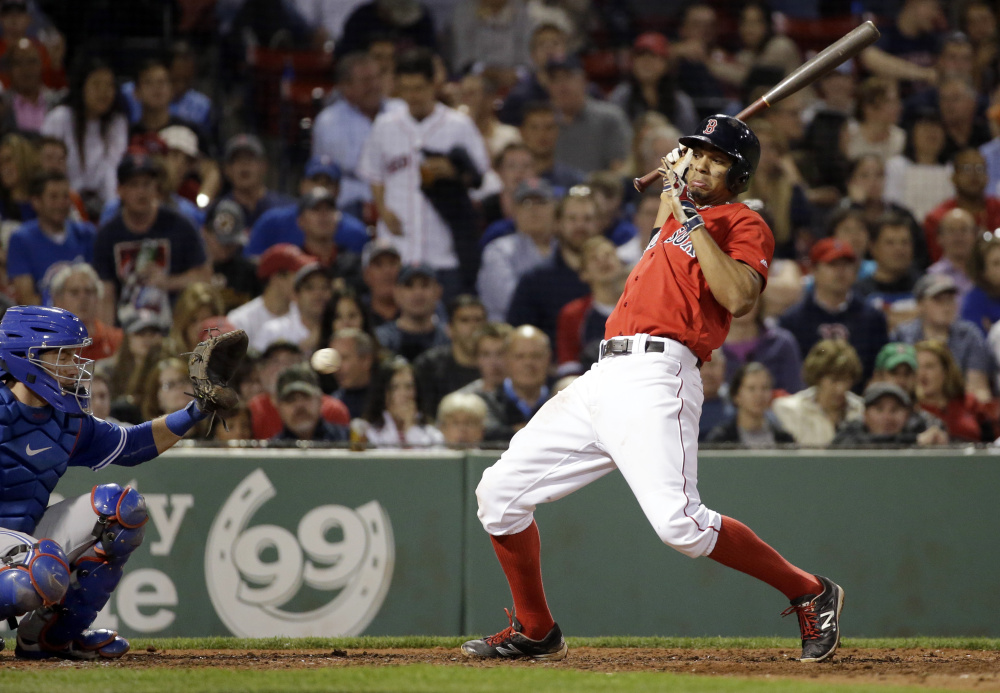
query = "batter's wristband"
{"x": 183, "y": 420}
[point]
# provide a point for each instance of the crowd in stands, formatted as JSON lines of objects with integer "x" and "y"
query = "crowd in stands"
{"x": 460, "y": 220}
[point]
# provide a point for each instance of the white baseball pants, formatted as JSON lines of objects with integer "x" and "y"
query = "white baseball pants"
{"x": 638, "y": 412}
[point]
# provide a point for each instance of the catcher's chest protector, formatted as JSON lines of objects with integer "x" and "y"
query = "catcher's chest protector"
{"x": 35, "y": 445}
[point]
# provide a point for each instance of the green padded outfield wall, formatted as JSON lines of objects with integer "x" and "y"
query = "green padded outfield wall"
{"x": 296, "y": 543}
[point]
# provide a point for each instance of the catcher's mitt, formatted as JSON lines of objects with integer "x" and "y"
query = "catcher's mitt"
{"x": 213, "y": 362}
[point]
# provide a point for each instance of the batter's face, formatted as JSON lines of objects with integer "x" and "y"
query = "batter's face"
{"x": 706, "y": 177}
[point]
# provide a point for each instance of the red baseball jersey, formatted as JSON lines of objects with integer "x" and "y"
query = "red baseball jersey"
{"x": 666, "y": 294}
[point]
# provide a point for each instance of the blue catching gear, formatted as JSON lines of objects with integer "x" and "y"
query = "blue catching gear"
{"x": 32, "y": 576}
{"x": 26, "y": 332}
{"x": 61, "y": 630}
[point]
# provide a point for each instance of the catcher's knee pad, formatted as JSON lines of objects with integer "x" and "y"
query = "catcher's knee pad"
{"x": 121, "y": 519}
{"x": 32, "y": 576}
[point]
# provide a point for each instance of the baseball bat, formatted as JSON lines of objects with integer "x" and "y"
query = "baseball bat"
{"x": 819, "y": 65}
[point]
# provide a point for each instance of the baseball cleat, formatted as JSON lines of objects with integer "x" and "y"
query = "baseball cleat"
{"x": 819, "y": 621}
{"x": 91, "y": 644}
{"x": 510, "y": 643}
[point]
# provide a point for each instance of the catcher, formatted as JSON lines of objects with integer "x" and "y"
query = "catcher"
{"x": 60, "y": 582}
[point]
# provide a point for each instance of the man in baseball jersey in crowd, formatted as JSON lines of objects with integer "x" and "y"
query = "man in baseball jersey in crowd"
{"x": 245, "y": 167}
{"x": 276, "y": 269}
{"x": 300, "y": 402}
{"x": 313, "y": 288}
{"x": 527, "y": 353}
{"x": 447, "y": 367}
{"x": 61, "y": 582}
{"x": 357, "y": 351}
{"x": 147, "y": 253}
{"x": 380, "y": 266}
{"x": 830, "y": 310}
{"x": 264, "y": 406}
{"x": 708, "y": 261}
{"x": 417, "y": 328}
{"x": 543, "y": 291}
{"x": 340, "y": 129}
{"x": 411, "y": 152}
{"x": 225, "y": 232}
{"x": 540, "y": 133}
{"x": 77, "y": 289}
{"x": 285, "y": 224}
{"x": 43, "y": 244}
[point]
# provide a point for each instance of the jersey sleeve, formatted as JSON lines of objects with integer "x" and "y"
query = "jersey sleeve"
{"x": 751, "y": 242}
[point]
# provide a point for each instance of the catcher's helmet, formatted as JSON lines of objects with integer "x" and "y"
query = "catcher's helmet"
{"x": 27, "y": 331}
{"x": 733, "y": 137}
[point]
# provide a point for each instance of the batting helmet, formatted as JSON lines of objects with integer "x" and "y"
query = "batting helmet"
{"x": 733, "y": 137}
{"x": 27, "y": 331}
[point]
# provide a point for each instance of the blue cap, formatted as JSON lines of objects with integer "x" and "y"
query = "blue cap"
{"x": 410, "y": 272}
{"x": 321, "y": 166}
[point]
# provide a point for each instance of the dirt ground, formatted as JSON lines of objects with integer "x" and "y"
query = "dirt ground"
{"x": 955, "y": 669}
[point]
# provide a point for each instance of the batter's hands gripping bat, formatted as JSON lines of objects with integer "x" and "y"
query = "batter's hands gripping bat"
{"x": 807, "y": 73}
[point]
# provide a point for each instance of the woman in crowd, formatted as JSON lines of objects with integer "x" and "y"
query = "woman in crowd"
{"x": 18, "y": 166}
{"x": 136, "y": 358}
{"x": 392, "y": 413}
{"x": 197, "y": 303}
{"x": 751, "y": 391}
{"x": 919, "y": 179}
{"x": 982, "y": 304}
{"x": 343, "y": 310}
{"x": 848, "y": 224}
{"x": 167, "y": 387}
{"x": 941, "y": 392}
{"x": 762, "y": 48}
{"x": 812, "y": 416}
{"x": 751, "y": 339}
{"x": 93, "y": 124}
{"x": 822, "y": 159}
{"x": 875, "y": 130}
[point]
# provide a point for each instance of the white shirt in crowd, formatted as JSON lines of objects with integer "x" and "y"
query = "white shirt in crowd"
{"x": 253, "y": 315}
{"x": 917, "y": 187}
{"x": 287, "y": 328}
{"x": 99, "y": 170}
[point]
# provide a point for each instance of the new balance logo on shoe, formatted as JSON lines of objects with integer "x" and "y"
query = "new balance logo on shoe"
{"x": 827, "y": 617}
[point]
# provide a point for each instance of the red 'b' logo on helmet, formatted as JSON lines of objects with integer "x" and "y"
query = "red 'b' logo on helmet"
{"x": 710, "y": 126}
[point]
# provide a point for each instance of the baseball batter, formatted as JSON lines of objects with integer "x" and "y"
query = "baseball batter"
{"x": 60, "y": 564}
{"x": 707, "y": 261}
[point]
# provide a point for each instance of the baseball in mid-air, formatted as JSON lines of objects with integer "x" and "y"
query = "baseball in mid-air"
{"x": 326, "y": 361}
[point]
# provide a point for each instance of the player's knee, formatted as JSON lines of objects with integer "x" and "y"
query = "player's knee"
{"x": 496, "y": 513}
{"x": 122, "y": 517}
{"x": 31, "y": 577}
{"x": 684, "y": 536}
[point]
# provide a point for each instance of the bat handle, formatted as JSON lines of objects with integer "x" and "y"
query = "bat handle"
{"x": 647, "y": 180}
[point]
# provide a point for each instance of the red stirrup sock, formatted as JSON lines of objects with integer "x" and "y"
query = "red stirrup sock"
{"x": 520, "y": 558}
{"x": 739, "y": 548}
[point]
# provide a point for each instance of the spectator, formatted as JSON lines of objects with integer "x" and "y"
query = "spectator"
{"x": 920, "y": 179}
{"x": 357, "y": 352}
{"x": 753, "y": 339}
{"x": 581, "y": 322}
{"x": 448, "y": 367}
{"x": 197, "y": 303}
{"x": 969, "y": 178}
{"x": 489, "y": 352}
{"x": 147, "y": 253}
{"x": 964, "y": 129}
{"x": 652, "y": 85}
{"x": 890, "y": 286}
{"x": 225, "y": 233}
{"x": 542, "y": 292}
{"x": 831, "y": 311}
{"x": 907, "y": 47}
{"x": 343, "y": 310}
{"x": 284, "y": 224}
{"x": 406, "y": 23}
{"x": 694, "y": 48}
{"x": 763, "y": 50}
{"x": 937, "y": 310}
{"x": 245, "y": 168}
{"x": 416, "y": 329}
{"x": 849, "y": 225}
{"x": 549, "y": 42}
{"x": 19, "y": 166}
{"x": 392, "y": 413}
{"x": 814, "y": 415}
{"x": 340, "y": 129}
{"x": 52, "y": 153}
{"x": 477, "y": 95}
{"x": 941, "y": 392}
{"x": 514, "y": 165}
{"x": 835, "y": 94}
{"x": 982, "y": 304}
{"x": 527, "y": 353}
{"x": 461, "y": 418}
{"x": 77, "y": 288}
{"x": 137, "y": 356}
{"x": 593, "y": 135}
{"x": 508, "y": 258}
{"x": 264, "y": 406}
{"x": 26, "y": 103}
{"x": 606, "y": 187}
{"x": 168, "y": 390}
{"x": 644, "y": 221}
{"x": 889, "y": 419}
{"x": 188, "y": 103}
{"x": 875, "y": 131}
{"x": 652, "y": 134}
{"x": 41, "y": 246}
{"x": 493, "y": 34}
{"x": 94, "y": 127}
{"x": 717, "y": 407}
{"x": 540, "y": 133}
{"x": 15, "y": 22}
{"x": 979, "y": 23}
{"x": 182, "y": 185}
{"x": 380, "y": 265}
{"x": 238, "y": 426}
{"x": 100, "y": 397}
{"x": 750, "y": 427}
{"x": 302, "y": 327}
{"x": 276, "y": 269}
{"x": 822, "y": 159}
{"x": 299, "y": 404}
{"x": 421, "y": 163}
{"x": 954, "y": 62}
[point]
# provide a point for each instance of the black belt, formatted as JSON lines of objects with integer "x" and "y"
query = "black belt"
{"x": 617, "y": 346}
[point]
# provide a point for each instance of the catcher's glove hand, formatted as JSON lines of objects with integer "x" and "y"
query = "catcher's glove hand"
{"x": 212, "y": 364}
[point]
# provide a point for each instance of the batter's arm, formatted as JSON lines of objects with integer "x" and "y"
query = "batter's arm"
{"x": 734, "y": 284}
